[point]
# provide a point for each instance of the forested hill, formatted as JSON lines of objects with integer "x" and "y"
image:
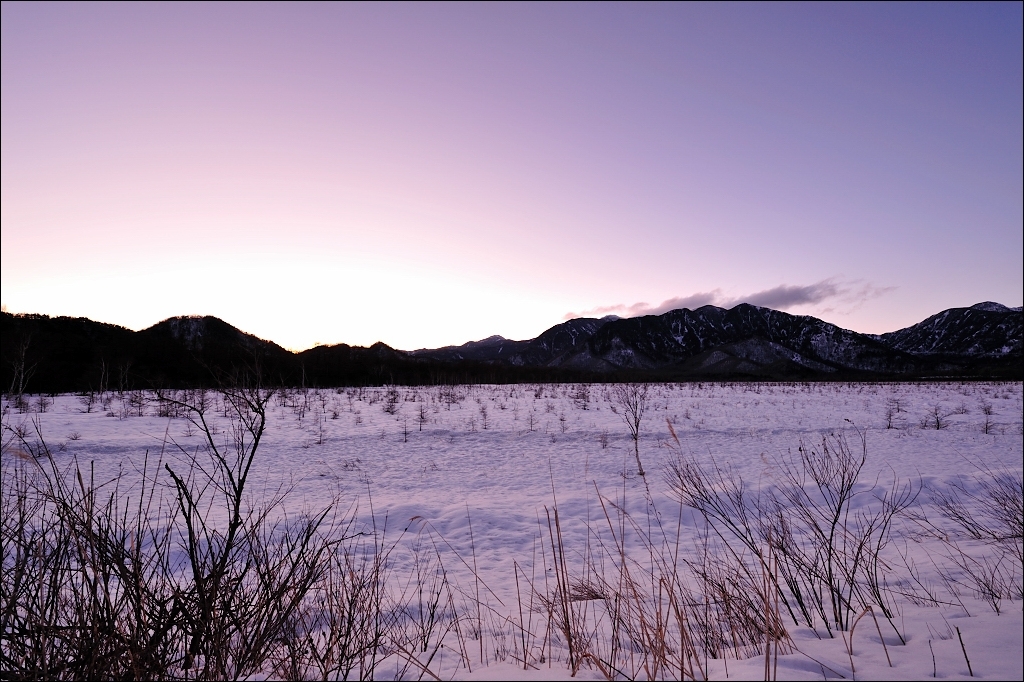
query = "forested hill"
{"x": 60, "y": 354}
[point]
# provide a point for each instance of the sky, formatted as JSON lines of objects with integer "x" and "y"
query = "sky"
{"x": 426, "y": 175}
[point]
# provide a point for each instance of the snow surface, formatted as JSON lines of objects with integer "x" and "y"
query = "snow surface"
{"x": 486, "y": 466}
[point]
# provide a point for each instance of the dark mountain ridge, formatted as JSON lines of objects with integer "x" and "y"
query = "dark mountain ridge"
{"x": 751, "y": 341}
{"x": 983, "y": 330}
{"x": 744, "y": 342}
{"x": 761, "y": 338}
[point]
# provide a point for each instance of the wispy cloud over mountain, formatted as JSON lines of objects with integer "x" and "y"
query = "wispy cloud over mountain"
{"x": 832, "y": 291}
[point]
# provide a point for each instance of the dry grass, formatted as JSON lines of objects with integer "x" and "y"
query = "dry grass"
{"x": 187, "y": 577}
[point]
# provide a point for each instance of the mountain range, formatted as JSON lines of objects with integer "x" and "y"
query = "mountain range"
{"x": 747, "y": 342}
{"x": 751, "y": 340}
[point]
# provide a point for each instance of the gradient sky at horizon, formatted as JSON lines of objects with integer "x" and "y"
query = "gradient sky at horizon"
{"x": 426, "y": 175}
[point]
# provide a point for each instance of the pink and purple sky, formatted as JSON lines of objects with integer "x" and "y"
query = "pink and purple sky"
{"x": 426, "y": 175}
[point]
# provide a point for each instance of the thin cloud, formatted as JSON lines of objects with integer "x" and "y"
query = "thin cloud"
{"x": 693, "y": 301}
{"x": 785, "y": 296}
{"x": 847, "y": 295}
{"x": 638, "y": 309}
{"x": 853, "y": 296}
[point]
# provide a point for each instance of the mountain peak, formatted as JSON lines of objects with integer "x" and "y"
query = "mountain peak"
{"x": 991, "y": 306}
{"x": 961, "y": 331}
{"x": 489, "y": 341}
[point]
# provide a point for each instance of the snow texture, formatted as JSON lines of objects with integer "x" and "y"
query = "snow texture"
{"x": 488, "y": 460}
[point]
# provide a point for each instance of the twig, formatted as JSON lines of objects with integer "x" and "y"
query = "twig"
{"x": 883, "y": 639}
{"x": 412, "y": 659}
{"x": 476, "y": 583}
{"x": 964, "y": 649}
{"x": 819, "y": 662}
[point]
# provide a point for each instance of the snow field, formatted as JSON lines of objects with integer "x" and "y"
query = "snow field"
{"x": 465, "y": 478}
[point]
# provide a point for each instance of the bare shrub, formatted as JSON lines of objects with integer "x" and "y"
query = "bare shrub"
{"x": 989, "y": 509}
{"x": 183, "y": 578}
{"x": 341, "y": 630}
{"x": 829, "y": 556}
{"x": 937, "y": 418}
{"x": 580, "y": 395}
{"x": 88, "y": 401}
{"x": 450, "y": 395}
{"x": 892, "y": 413}
{"x": 392, "y": 398}
{"x": 633, "y": 399}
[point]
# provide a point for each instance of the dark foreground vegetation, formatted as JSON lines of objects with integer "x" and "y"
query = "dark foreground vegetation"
{"x": 182, "y": 573}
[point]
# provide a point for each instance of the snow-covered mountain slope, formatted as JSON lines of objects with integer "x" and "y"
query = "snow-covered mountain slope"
{"x": 983, "y": 330}
{"x": 751, "y": 340}
{"x": 761, "y": 338}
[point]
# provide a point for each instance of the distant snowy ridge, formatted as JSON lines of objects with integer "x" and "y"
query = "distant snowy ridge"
{"x": 983, "y": 330}
{"x": 753, "y": 340}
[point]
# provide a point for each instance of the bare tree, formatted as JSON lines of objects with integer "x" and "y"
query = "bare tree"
{"x": 22, "y": 372}
{"x": 391, "y": 400}
{"x": 632, "y": 398}
{"x": 937, "y": 418}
